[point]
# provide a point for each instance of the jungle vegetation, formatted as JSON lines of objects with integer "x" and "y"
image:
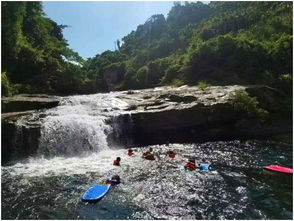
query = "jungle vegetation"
{"x": 219, "y": 43}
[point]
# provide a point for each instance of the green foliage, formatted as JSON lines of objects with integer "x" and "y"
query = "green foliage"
{"x": 286, "y": 77}
{"x": 130, "y": 76}
{"x": 144, "y": 36}
{"x": 182, "y": 15}
{"x": 241, "y": 101}
{"x": 172, "y": 72}
{"x": 219, "y": 43}
{"x": 177, "y": 83}
{"x": 33, "y": 48}
{"x": 142, "y": 76}
{"x": 285, "y": 83}
{"x": 156, "y": 70}
{"x": 5, "y": 85}
{"x": 202, "y": 85}
{"x": 7, "y": 88}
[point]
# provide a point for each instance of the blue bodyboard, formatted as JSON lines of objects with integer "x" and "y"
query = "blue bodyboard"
{"x": 95, "y": 192}
{"x": 205, "y": 167}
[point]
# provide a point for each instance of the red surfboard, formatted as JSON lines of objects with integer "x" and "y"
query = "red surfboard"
{"x": 278, "y": 169}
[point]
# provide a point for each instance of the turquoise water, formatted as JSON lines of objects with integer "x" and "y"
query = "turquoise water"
{"x": 237, "y": 188}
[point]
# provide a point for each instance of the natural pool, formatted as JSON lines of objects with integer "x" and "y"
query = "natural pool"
{"x": 238, "y": 188}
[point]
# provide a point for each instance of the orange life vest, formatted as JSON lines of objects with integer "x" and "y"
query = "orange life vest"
{"x": 130, "y": 153}
{"x": 115, "y": 163}
{"x": 190, "y": 166}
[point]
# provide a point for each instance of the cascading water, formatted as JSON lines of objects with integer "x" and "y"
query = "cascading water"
{"x": 51, "y": 187}
{"x": 79, "y": 125}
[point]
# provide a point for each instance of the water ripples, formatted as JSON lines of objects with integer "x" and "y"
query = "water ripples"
{"x": 237, "y": 188}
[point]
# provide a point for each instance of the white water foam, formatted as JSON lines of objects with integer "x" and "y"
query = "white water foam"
{"x": 79, "y": 125}
{"x": 99, "y": 162}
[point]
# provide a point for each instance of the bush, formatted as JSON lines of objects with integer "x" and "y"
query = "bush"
{"x": 203, "y": 85}
{"x": 172, "y": 72}
{"x": 142, "y": 75}
{"x": 177, "y": 83}
{"x": 156, "y": 70}
{"x": 5, "y": 85}
{"x": 241, "y": 101}
{"x": 284, "y": 83}
{"x": 8, "y": 89}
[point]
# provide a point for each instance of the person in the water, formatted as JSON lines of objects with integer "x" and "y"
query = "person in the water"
{"x": 149, "y": 155}
{"x": 190, "y": 165}
{"x": 113, "y": 181}
{"x": 117, "y": 161}
{"x": 130, "y": 152}
{"x": 171, "y": 154}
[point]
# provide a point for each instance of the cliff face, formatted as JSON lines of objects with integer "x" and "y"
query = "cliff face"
{"x": 20, "y": 138}
{"x": 189, "y": 114}
{"x": 160, "y": 115}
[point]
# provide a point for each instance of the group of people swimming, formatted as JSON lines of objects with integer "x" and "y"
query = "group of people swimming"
{"x": 150, "y": 155}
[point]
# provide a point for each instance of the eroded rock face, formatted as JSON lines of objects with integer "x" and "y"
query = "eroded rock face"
{"x": 170, "y": 98}
{"x": 24, "y": 102}
{"x": 189, "y": 114}
{"x": 155, "y": 116}
{"x": 20, "y": 137}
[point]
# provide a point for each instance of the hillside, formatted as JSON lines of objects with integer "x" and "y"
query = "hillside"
{"x": 219, "y": 44}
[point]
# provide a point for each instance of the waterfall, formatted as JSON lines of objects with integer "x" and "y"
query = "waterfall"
{"x": 80, "y": 124}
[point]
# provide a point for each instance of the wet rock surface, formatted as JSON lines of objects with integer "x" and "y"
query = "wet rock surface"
{"x": 20, "y": 132}
{"x": 142, "y": 117}
{"x": 20, "y": 123}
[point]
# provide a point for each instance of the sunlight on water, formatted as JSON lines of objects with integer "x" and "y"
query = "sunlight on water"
{"x": 75, "y": 153}
{"x": 237, "y": 188}
{"x": 79, "y": 124}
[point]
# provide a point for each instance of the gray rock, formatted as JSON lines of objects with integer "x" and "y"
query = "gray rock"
{"x": 155, "y": 116}
{"x": 189, "y": 114}
{"x": 26, "y": 102}
{"x": 20, "y": 138}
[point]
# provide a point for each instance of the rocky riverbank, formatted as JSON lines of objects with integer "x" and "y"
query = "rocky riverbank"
{"x": 191, "y": 114}
{"x": 154, "y": 116}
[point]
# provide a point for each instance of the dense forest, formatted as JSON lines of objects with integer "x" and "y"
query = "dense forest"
{"x": 219, "y": 43}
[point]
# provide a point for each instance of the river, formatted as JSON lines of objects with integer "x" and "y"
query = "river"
{"x": 75, "y": 153}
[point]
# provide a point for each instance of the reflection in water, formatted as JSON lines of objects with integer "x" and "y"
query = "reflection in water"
{"x": 238, "y": 188}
